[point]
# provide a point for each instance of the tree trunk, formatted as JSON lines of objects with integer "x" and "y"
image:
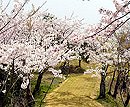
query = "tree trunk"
{"x": 18, "y": 98}
{"x": 37, "y": 86}
{"x": 109, "y": 92}
{"x": 80, "y": 63}
{"x": 102, "y": 87}
{"x": 2, "y": 104}
{"x": 19, "y": 102}
{"x": 102, "y": 84}
{"x": 116, "y": 86}
{"x": 127, "y": 100}
{"x": 29, "y": 96}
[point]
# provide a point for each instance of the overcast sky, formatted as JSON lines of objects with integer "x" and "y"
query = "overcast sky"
{"x": 87, "y": 10}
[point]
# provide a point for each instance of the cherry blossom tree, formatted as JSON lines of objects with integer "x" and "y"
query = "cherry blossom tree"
{"x": 110, "y": 29}
{"x": 39, "y": 41}
{"x": 31, "y": 42}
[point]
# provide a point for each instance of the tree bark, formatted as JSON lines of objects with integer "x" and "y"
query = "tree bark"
{"x": 109, "y": 92}
{"x": 116, "y": 86}
{"x": 127, "y": 100}
{"x": 29, "y": 96}
{"x": 2, "y": 104}
{"x": 80, "y": 63}
{"x": 37, "y": 86}
{"x": 102, "y": 84}
{"x": 18, "y": 98}
{"x": 102, "y": 87}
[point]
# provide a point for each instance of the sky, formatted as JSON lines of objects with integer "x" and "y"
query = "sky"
{"x": 87, "y": 10}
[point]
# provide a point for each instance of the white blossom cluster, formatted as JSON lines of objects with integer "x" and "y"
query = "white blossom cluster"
{"x": 37, "y": 43}
{"x": 43, "y": 40}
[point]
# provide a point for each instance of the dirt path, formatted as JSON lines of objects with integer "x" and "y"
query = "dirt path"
{"x": 77, "y": 91}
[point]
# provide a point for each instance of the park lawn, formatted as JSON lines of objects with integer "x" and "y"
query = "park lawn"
{"x": 47, "y": 77}
{"x": 84, "y": 65}
{"x": 76, "y": 91}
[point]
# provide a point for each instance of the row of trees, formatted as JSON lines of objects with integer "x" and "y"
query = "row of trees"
{"x": 39, "y": 41}
{"x": 113, "y": 35}
{"x": 33, "y": 41}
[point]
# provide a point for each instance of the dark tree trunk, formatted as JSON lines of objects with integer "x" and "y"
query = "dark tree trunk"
{"x": 37, "y": 86}
{"x": 18, "y": 98}
{"x": 13, "y": 76}
{"x": 87, "y": 57}
{"x": 2, "y": 104}
{"x": 63, "y": 68}
{"x": 68, "y": 68}
{"x": 80, "y": 63}
{"x": 102, "y": 84}
{"x": 116, "y": 86}
{"x": 127, "y": 100}
{"x": 102, "y": 87}
{"x": 29, "y": 96}
{"x": 109, "y": 92}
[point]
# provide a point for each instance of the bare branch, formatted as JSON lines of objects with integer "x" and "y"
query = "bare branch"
{"x": 20, "y": 20}
{"x": 112, "y": 21}
{"x": 37, "y": 9}
{"x": 13, "y": 16}
{"x": 6, "y": 6}
{"x": 107, "y": 25}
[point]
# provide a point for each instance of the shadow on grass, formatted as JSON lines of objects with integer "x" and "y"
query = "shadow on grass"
{"x": 109, "y": 101}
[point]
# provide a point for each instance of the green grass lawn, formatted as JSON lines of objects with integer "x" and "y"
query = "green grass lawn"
{"x": 84, "y": 65}
{"x": 46, "y": 80}
{"x": 110, "y": 102}
{"x": 77, "y": 90}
